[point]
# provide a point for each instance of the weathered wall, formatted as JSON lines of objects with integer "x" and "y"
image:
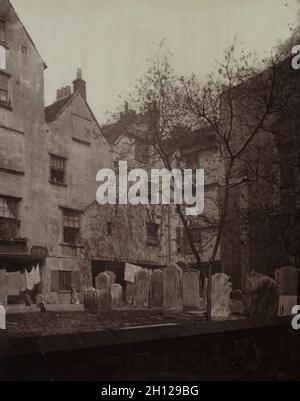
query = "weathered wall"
{"x": 128, "y": 242}
{"x": 75, "y": 136}
{"x": 22, "y": 161}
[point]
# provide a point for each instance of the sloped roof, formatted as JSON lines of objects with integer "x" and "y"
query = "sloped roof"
{"x": 113, "y": 132}
{"x": 26, "y": 32}
{"x": 53, "y": 110}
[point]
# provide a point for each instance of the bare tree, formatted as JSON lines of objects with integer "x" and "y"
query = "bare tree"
{"x": 239, "y": 102}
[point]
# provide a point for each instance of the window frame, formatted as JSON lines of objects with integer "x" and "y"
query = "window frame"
{"x": 11, "y": 221}
{"x": 7, "y": 102}
{"x": 153, "y": 240}
{"x": 73, "y": 217}
{"x": 58, "y": 159}
{"x": 4, "y": 22}
{"x": 62, "y": 274}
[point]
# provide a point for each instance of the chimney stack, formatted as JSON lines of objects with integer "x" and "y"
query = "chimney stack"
{"x": 58, "y": 94}
{"x": 79, "y": 85}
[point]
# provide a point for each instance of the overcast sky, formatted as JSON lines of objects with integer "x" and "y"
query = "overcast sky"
{"x": 111, "y": 39}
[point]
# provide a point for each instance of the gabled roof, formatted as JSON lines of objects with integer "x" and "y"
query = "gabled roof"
{"x": 26, "y": 32}
{"x": 115, "y": 131}
{"x": 54, "y": 110}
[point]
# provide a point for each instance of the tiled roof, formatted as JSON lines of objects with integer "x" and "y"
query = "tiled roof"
{"x": 53, "y": 109}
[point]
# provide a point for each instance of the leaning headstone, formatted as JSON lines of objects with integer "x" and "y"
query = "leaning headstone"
{"x": 91, "y": 300}
{"x": 116, "y": 295}
{"x": 191, "y": 290}
{"x": 130, "y": 272}
{"x": 220, "y": 296}
{"x": 288, "y": 279}
{"x": 142, "y": 285}
{"x": 261, "y": 296}
{"x": 130, "y": 294}
{"x": 172, "y": 285}
{"x": 103, "y": 285}
{"x": 3, "y": 287}
{"x": 157, "y": 289}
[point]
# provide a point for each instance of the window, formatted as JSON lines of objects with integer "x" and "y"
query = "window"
{"x": 64, "y": 280}
{"x": 2, "y": 57}
{"x": 71, "y": 226}
{"x": 57, "y": 173}
{"x": 61, "y": 280}
{"x": 152, "y": 234}
{"x": 141, "y": 151}
{"x": 24, "y": 49}
{"x": 178, "y": 240}
{"x": 8, "y": 217}
{"x": 2, "y": 31}
{"x": 109, "y": 229}
{"x": 4, "y": 85}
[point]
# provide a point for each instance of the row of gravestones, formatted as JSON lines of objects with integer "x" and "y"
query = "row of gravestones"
{"x": 174, "y": 290}
{"x": 170, "y": 289}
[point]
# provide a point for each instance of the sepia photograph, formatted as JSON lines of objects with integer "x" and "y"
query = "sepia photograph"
{"x": 149, "y": 193}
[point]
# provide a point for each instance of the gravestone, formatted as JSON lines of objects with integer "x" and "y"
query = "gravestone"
{"x": 172, "y": 285}
{"x": 261, "y": 296}
{"x": 103, "y": 285}
{"x": 91, "y": 300}
{"x": 142, "y": 285}
{"x": 157, "y": 289}
{"x": 191, "y": 290}
{"x": 3, "y": 287}
{"x": 220, "y": 296}
{"x": 288, "y": 279}
{"x": 112, "y": 277}
{"x": 130, "y": 294}
{"x": 116, "y": 295}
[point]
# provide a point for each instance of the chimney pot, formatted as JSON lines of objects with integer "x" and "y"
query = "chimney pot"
{"x": 79, "y": 85}
{"x": 68, "y": 90}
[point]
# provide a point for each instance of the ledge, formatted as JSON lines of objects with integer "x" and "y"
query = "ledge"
{"x": 139, "y": 337}
{"x": 58, "y": 184}
{"x": 80, "y": 246}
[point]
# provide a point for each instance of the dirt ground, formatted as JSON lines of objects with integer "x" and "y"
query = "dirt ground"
{"x": 53, "y": 323}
